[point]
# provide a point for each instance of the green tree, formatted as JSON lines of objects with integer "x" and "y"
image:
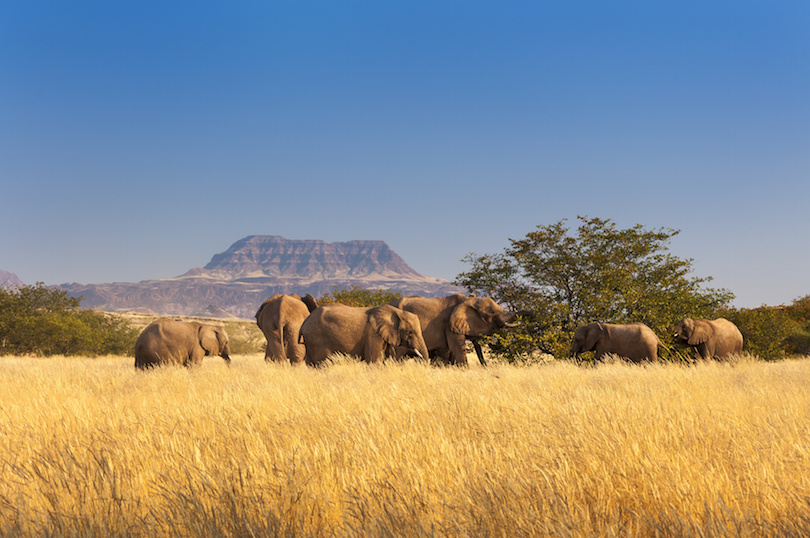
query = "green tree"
{"x": 766, "y": 330}
{"x": 600, "y": 273}
{"x": 357, "y": 296}
{"x": 798, "y": 343}
{"x": 47, "y": 321}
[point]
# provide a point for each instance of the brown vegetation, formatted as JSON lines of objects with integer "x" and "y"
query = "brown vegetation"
{"x": 92, "y": 447}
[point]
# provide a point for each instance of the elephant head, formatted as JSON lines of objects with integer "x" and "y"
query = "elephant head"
{"x": 310, "y": 301}
{"x": 586, "y": 338}
{"x": 715, "y": 338}
{"x": 479, "y": 316}
{"x": 693, "y": 331}
{"x": 214, "y": 341}
{"x": 394, "y": 328}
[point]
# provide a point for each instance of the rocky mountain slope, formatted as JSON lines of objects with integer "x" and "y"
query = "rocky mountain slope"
{"x": 9, "y": 281}
{"x": 237, "y": 281}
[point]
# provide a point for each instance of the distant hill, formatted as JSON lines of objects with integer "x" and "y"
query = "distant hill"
{"x": 237, "y": 281}
{"x": 10, "y": 281}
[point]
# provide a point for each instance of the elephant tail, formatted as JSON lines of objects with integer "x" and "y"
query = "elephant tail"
{"x": 282, "y": 341}
{"x": 666, "y": 347}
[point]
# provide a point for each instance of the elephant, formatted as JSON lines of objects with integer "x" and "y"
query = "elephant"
{"x": 634, "y": 341}
{"x": 280, "y": 318}
{"x": 448, "y": 321}
{"x": 717, "y": 338}
{"x": 167, "y": 341}
{"x": 369, "y": 333}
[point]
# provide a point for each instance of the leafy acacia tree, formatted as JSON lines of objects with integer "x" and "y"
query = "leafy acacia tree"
{"x": 600, "y": 273}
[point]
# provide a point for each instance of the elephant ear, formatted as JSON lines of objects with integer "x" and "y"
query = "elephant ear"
{"x": 474, "y": 317}
{"x": 207, "y": 337}
{"x": 703, "y": 331}
{"x": 310, "y": 301}
{"x": 384, "y": 320}
{"x": 593, "y": 333}
{"x": 460, "y": 318}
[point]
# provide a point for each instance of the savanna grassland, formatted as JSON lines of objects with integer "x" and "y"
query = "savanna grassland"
{"x": 92, "y": 447}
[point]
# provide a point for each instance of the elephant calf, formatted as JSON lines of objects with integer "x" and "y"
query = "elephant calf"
{"x": 634, "y": 341}
{"x": 168, "y": 341}
{"x": 715, "y": 338}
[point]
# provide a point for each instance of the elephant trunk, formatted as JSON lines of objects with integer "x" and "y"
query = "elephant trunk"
{"x": 422, "y": 351}
{"x": 508, "y": 319}
{"x": 479, "y": 352}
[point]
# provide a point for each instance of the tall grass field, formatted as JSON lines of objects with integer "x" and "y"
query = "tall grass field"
{"x": 91, "y": 447}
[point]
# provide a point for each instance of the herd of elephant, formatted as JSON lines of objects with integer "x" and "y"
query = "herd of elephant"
{"x": 299, "y": 331}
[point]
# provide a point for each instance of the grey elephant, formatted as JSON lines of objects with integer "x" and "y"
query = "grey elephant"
{"x": 716, "y": 338}
{"x": 448, "y": 321}
{"x": 167, "y": 341}
{"x": 280, "y": 318}
{"x": 369, "y": 333}
{"x": 634, "y": 341}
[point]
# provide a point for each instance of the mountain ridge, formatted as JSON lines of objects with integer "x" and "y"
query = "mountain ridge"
{"x": 236, "y": 281}
{"x": 10, "y": 281}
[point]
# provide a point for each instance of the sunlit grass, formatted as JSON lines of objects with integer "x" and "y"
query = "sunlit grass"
{"x": 92, "y": 447}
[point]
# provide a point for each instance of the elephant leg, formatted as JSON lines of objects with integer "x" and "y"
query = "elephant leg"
{"x": 275, "y": 349}
{"x": 374, "y": 350}
{"x": 295, "y": 351}
{"x": 276, "y": 341}
{"x": 440, "y": 356}
{"x": 196, "y": 357}
{"x": 458, "y": 351}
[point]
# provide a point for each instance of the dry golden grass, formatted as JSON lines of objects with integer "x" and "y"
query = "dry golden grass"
{"x": 92, "y": 447}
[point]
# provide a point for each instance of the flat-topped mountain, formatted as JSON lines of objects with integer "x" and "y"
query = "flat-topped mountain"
{"x": 272, "y": 256}
{"x": 237, "y": 281}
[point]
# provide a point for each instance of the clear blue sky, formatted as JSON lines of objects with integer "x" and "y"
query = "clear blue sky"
{"x": 138, "y": 139}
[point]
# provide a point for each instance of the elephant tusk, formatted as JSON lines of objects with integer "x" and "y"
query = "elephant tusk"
{"x": 419, "y": 354}
{"x": 511, "y": 325}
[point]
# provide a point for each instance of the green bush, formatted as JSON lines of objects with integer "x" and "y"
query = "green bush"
{"x": 46, "y": 321}
{"x": 357, "y": 296}
{"x": 798, "y": 343}
{"x": 765, "y": 330}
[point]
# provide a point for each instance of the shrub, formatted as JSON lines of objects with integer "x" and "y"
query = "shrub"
{"x": 798, "y": 343}
{"x": 357, "y": 296}
{"x": 46, "y": 321}
{"x": 765, "y": 329}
